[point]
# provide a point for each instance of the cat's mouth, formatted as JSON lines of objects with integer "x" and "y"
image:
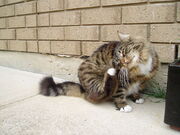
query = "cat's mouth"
{"x": 124, "y": 64}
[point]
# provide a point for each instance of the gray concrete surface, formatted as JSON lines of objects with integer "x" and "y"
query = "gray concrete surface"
{"x": 64, "y": 67}
{"x": 24, "y": 112}
{"x": 17, "y": 85}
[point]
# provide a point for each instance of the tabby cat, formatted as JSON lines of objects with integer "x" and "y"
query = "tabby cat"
{"x": 115, "y": 71}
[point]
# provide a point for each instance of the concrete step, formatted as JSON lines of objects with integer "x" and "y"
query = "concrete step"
{"x": 24, "y": 112}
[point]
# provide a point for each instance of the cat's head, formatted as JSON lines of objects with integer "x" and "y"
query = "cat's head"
{"x": 128, "y": 51}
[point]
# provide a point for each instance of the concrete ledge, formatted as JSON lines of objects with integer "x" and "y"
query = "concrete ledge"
{"x": 65, "y": 68}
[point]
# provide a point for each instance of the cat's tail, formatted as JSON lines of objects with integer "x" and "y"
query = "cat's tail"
{"x": 49, "y": 88}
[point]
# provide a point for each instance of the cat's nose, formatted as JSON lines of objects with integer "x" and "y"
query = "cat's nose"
{"x": 126, "y": 61}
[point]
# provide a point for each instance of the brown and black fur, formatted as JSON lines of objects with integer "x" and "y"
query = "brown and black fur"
{"x": 49, "y": 88}
{"x": 96, "y": 85}
{"x": 99, "y": 85}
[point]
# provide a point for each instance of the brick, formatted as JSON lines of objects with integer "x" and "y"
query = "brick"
{"x": 56, "y": 5}
{"x": 43, "y": 5}
{"x": 25, "y": 8}
{"x": 101, "y": 16}
{"x": 72, "y": 4}
{"x": 14, "y": 22}
{"x": 2, "y": 2}
{"x": 17, "y": 45}
{"x": 56, "y": 33}
{"x": 3, "y": 45}
{"x": 178, "y": 12}
{"x": 66, "y": 47}
{"x": 160, "y": 0}
{"x": 149, "y": 13}
{"x": 89, "y": 47}
{"x": 26, "y": 33}
{"x": 43, "y": 20}
{"x": 7, "y": 34}
{"x": 165, "y": 52}
{"x": 49, "y": 5}
{"x": 165, "y": 33}
{"x": 32, "y": 46}
{"x": 109, "y": 33}
{"x": 82, "y": 33}
{"x": 44, "y": 47}
{"x": 2, "y": 23}
{"x": 31, "y": 21}
{"x": 13, "y": 1}
{"x": 120, "y": 2}
{"x": 65, "y": 18}
{"x": 7, "y": 11}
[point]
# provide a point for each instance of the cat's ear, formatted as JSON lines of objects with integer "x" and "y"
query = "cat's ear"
{"x": 139, "y": 43}
{"x": 138, "y": 46}
{"x": 123, "y": 37}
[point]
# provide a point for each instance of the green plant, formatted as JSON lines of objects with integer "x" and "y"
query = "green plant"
{"x": 154, "y": 89}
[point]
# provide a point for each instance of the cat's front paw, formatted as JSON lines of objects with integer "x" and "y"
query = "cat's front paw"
{"x": 139, "y": 101}
{"x": 111, "y": 71}
{"x": 126, "y": 109}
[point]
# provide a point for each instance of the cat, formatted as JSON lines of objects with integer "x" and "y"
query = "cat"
{"x": 115, "y": 71}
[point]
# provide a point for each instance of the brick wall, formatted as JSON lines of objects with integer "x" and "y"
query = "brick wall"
{"x": 77, "y": 27}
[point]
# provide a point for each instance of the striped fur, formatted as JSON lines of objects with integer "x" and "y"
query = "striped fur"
{"x": 97, "y": 85}
{"x": 92, "y": 72}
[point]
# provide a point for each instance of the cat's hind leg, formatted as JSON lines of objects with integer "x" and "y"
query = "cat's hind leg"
{"x": 105, "y": 88}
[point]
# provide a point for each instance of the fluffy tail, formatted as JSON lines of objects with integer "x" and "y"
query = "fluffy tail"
{"x": 49, "y": 88}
